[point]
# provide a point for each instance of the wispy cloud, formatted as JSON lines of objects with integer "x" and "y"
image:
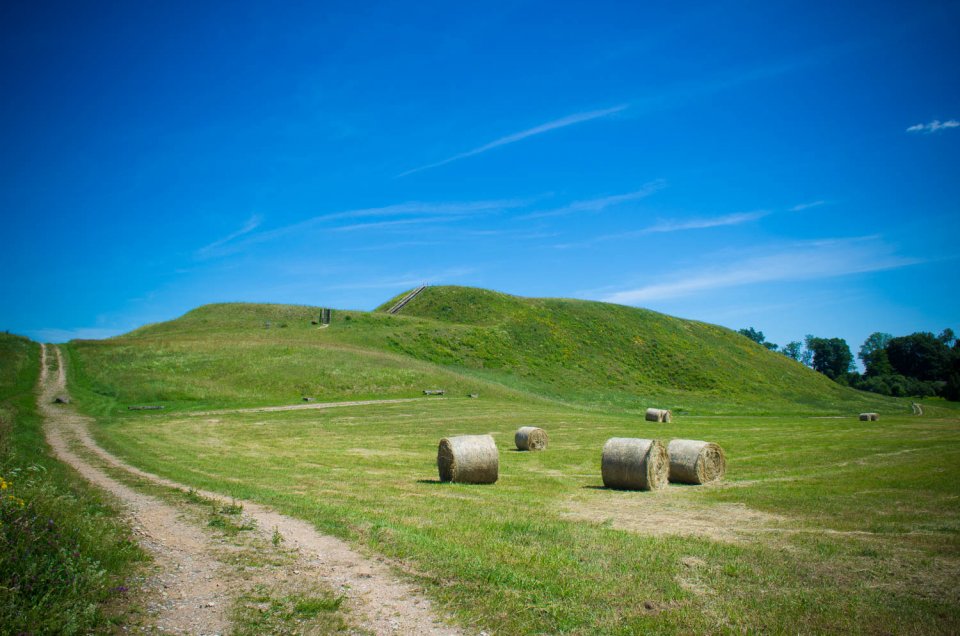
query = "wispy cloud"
{"x": 673, "y": 226}
{"x": 806, "y": 206}
{"x": 379, "y": 225}
{"x": 601, "y": 203}
{"x": 563, "y": 122}
{"x": 440, "y": 210}
{"x": 703, "y": 223}
{"x": 405, "y": 280}
{"x": 934, "y": 126}
{"x": 800, "y": 261}
{"x": 252, "y": 223}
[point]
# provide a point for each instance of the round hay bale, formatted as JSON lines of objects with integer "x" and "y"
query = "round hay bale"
{"x": 874, "y": 417}
{"x": 657, "y": 415}
{"x": 695, "y": 462}
{"x": 869, "y": 417}
{"x": 634, "y": 464}
{"x": 468, "y": 459}
{"x": 530, "y": 438}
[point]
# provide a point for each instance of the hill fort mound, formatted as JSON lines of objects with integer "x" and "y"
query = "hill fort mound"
{"x": 465, "y": 340}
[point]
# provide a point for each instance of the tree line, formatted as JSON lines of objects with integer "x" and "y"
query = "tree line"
{"x": 921, "y": 364}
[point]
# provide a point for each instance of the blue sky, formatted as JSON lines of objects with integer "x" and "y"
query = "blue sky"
{"x": 788, "y": 166}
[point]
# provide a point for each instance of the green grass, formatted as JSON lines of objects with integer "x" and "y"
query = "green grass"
{"x": 823, "y": 525}
{"x": 592, "y": 355}
{"x": 66, "y": 563}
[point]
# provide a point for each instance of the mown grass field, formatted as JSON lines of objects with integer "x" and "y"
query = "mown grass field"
{"x": 824, "y": 524}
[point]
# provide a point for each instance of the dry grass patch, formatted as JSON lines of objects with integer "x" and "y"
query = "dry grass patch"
{"x": 670, "y": 512}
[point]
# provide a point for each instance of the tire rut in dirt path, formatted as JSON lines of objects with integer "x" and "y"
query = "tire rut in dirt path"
{"x": 194, "y": 598}
{"x": 379, "y": 600}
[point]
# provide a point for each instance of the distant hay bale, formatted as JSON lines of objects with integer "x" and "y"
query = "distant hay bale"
{"x": 874, "y": 417}
{"x": 530, "y": 438}
{"x": 634, "y": 464}
{"x": 869, "y": 417}
{"x": 658, "y": 415}
{"x": 468, "y": 459}
{"x": 695, "y": 462}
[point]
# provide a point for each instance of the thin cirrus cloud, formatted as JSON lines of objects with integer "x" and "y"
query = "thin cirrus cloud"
{"x": 704, "y": 223}
{"x": 404, "y": 280}
{"x": 809, "y": 260}
{"x": 252, "y": 223}
{"x": 563, "y": 122}
{"x": 665, "y": 98}
{"x": 934, "y": 126}
{"x": 674, "y": 226}
{"x": 806, "y": 206}
{"x": 245, "y": 237}
{"x": 601, "y": 203}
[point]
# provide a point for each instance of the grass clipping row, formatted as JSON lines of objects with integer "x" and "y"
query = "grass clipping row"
{"x": 468, "y": 459}
{"x": 530, "y": 438}
{"x": 695, "y": 462}
{"x": 634, "y": 464}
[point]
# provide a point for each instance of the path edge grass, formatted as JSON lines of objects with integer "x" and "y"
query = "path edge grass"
{"x": 68, "y": 563}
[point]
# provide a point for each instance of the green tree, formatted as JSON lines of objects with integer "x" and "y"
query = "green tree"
{"x": 920, "y": 355}
{"x": 758, "y": 337}
{"x": 831, "y": 356}
{"x": 873, "y": 354}
{"x": 792, "y": 349}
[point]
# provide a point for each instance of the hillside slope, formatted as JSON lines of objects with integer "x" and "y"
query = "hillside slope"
{"x": 595, "y": 352}
{"x": 463, "y": 340}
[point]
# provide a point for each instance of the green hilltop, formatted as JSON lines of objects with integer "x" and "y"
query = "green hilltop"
{"x": 463, "y": 340}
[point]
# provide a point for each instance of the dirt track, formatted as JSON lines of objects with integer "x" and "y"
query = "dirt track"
{"x": 197, "y": 588}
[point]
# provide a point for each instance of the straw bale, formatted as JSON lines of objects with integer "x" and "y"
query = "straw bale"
{"x": 695, "y": 462}
{"x": 634, "y": 464}
{"x": 468, "y": 459}
{"x": 869, "y": 417}
{"x": 658, "y": 415}
{"x": 530, "y": 438}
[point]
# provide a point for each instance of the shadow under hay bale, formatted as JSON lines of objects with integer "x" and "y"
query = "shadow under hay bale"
{"x": 695, "y": 462}
{"x": 530, "y": 438}
{"x": 61, "y": 399}
{"x": 658, "y": 415}
{"x": 634, "y": 464}
{"x": 468, "y": 459}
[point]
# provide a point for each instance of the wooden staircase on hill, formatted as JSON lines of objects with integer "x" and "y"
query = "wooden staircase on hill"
{"x": 400, "y": 304}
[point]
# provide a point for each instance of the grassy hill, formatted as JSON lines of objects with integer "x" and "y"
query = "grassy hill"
{"x": 462, "y": 340}
{"x": 821, "y": 525}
